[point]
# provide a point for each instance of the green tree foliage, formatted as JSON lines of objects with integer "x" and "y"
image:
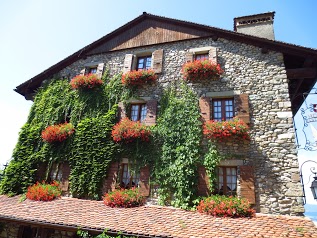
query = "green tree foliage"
{"x": 179, "y": 130}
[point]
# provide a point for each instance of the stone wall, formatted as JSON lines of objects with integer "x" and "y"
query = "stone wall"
{"x": 247, "y": 70}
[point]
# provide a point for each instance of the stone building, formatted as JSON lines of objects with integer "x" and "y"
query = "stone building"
{"x": 260, "y": 85}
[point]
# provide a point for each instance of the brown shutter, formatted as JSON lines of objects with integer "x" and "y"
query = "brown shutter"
{"x": 150, "y": 118}
{"x": 127, "y": 63}
{"x": 100, "y": 70}
{"x": 111, "y": 177}
{"x": 203, "y": 181}
{"x": 189, "y": 57}
{"x": 247, "y": 183}
{"x": 204, "y": 105}
{"x": 144, "y": 185}
{"x": 121, "y": 111}
{"x": 65, "y": 169}
{"x": 213, "y": 54}
{"x": 242, "y": 107}
{"x": 41, "y": 171}
{"x": 83, "y": 71}
{"x": 157, "y": 59}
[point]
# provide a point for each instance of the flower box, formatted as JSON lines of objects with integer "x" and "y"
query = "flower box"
{"x": 124, "y": 198}
{"x": 85, "y": 81}
{"x": 57, "y": 133}
{"x": 224, "y": 130}
{"x": 128, "y": 131}
{"x": 43, "y": 191}
{"x": 201, "y": 70}
{"x": 138, "y": 77}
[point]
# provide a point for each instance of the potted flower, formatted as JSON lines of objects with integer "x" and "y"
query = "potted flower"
{"x": 124, "y": 198}
{"x": 224, "y": 130}
{"x": 200, "y": 70}
{"x": 128, "y": 131}
{"x": 138, "y": 77}
{"x": 85, "y": 81}
{"x": 43, "y": 191}
{"x": 57, "y": 133}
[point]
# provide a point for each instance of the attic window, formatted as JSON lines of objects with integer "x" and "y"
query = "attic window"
{"x": 144, "y": 63}
{"x": 202, "y": 56}
{"x": 92, "y": 70}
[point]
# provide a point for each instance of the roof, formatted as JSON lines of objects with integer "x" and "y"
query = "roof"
{"x": 148, "y": 221}
{"x": 32, "y": 84}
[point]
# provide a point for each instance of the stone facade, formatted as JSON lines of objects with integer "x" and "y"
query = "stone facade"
{"x": 247, "y": 71}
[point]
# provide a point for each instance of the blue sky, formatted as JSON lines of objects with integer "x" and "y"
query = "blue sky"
{"x": 36, "y": 34}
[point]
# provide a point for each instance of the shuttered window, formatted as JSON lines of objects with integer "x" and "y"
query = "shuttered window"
{"x": 144, "y": 63}
{"x": 222, "y": 109}
{"x": 92, "y": 70}
{"x": 128, "y": 179}
{"x": 138, "y": 112}
{"x": 226, "y": 181}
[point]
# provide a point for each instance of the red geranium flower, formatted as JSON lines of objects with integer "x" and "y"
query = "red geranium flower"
{"x": 201, "y": 69}
{"x": 57, "y": 133}
{"x": 138, "y": 77}
{"x": 85, "y": 81}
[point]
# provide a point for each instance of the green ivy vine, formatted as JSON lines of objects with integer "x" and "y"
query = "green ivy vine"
{"x": 180, "y": 133}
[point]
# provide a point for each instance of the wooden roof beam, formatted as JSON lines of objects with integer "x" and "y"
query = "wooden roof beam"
{"x": 301, "y": 73}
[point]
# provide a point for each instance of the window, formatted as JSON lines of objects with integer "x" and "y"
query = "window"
{"x": 138, "y": 112}
{"x": 226, "y": 181}
{"x": 222, "y": 109}
{"x": 92, "y": 70}
{"x": 204, "y": 56}
{"x": 144, "y": 63}
{"x": 128, "y": 179}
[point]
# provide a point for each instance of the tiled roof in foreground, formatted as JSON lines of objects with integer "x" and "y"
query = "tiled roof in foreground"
{"x": 149, "y": 221}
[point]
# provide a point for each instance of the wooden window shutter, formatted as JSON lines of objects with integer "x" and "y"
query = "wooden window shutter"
{"x": 111, "y": 177}
{"x": 189, "y": 57}
{"x": 213, "y": 54}
{"x": 157, "y": 61}
{"x": 127, "y": 63}
{"x": 150, "y": 118}
{"x": 242, "y": 107}
{"x": 64, "y": 184}
{"x": 247, "y": 183}
{"x": 100, "y": 70}
{"x": 203, "y": 181}
{"x": 83, "y": 71}
{"x": 121, "y": 111}
{"x": 144, "y": 185}
{"x": 204, "y": 105}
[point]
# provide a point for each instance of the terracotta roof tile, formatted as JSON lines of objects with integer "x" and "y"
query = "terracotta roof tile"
{"x": 152, "y": 221}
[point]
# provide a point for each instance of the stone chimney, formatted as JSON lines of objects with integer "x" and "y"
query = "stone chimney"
{"x": 260, "y": 25}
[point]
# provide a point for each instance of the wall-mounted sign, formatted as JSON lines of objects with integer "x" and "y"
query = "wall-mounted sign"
{"x": 309, "y": 115}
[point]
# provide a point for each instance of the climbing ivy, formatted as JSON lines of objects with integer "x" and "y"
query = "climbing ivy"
{"x": 180, "y": 132}
{"x": 92, "y": 112}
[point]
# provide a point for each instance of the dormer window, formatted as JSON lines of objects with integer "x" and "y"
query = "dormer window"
{"x": 144, "y": 63}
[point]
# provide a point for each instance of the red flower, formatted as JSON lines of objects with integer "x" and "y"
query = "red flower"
{"x": 223, "y": 130}
{"x": 85, "y": 81}
{"x": 128, "y": 131}
{"x": 138, "y": 77}
{"x": 43, "y": 191}
{"x": 58, "y": 132}
{"x": 199, "y": 70}
{"x": 124, "y": 198}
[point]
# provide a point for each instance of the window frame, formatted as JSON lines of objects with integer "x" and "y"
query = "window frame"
{"x": 92, "y": 70}
{"x": 225, "y": 190}
{"x": 133, "y": 178}
{"x": 201, "y": 56}
{"x": 223, "y": 108}
{"x": 139, "y": 115}
{"x": 145, "y": 62}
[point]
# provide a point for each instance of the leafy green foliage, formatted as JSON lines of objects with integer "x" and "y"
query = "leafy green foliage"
{"x": 89, "y": 150}
{"x": 211, "y": 160}
{"x": 85, "y": 234}
{"x": 180, "y": 133}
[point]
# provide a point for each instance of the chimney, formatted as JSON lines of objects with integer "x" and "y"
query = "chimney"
{"x": 260, "y": 25}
